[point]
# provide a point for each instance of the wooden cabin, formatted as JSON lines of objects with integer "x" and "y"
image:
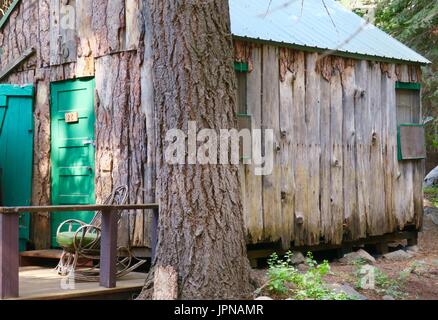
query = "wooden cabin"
{"x": 342, "y": 97}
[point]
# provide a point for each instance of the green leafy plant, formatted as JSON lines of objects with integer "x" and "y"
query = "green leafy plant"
{"x": 431, "y": 193}
{"x": 286, "y": 280}
{"x": 384, "y": 284}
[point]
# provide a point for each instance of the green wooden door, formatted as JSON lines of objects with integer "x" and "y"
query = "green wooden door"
{"x": 72, "y": 155}
{"x": 16, "y": 151}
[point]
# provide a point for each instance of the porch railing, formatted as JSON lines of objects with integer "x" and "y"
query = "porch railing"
{"x": 9, "y": 248}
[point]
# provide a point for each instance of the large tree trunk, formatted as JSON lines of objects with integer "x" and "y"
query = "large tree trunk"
{"x": 201, "y": 227}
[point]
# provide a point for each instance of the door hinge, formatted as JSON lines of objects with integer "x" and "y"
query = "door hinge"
{"x": 88, "y": 142}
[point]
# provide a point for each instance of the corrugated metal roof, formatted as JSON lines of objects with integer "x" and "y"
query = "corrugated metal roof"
{"x": 309, "y": 25}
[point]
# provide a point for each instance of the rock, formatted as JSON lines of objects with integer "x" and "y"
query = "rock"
{"x": 298, "y": 258}
{"x": 429, "y": 210}
{"x": 263, "y": 298}
{"x": 432, "y": 178}
{"x": 303, "y": 267}
{"x": 348, "y": 290}
{"x": 411, "y": 249}
{"x": 432, "y": 213}
{"x": 361, "y": 254}
{"x": 395, "y": 246}
{"x": 398, "y": 255}
{"x": 388, "y": 297}
{"x": 290, "y": 299}
{"x": 420, "y": 267}
{"x": 258, "y": 278}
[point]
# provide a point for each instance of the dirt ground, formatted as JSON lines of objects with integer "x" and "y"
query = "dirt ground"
{"x": 419, "y": 274}
{"x": 421, "y": 283}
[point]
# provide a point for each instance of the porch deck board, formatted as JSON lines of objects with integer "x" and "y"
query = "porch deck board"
{"x": 38, "y": 283}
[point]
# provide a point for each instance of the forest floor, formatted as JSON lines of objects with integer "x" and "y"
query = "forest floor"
{"x": 410, "y": 279}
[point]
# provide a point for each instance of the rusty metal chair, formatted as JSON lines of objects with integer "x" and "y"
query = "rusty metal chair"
{"x": 84, "y": 244}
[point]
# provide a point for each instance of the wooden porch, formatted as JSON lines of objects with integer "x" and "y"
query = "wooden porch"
{"x": 37, "y": 283}
{"x": 40, "y": 283}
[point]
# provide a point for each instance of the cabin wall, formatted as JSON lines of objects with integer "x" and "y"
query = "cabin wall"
{"x": 336, "y": 174}
{"x": 102, "y": 40}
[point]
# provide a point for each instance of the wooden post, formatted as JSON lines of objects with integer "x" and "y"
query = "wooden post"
{"x": 154, "y": 233}
{"x": 108, "y": 249}
{"x": 9, "y": 255}
{"x": 382, "y": 248}
{"x": 413, "y": 241}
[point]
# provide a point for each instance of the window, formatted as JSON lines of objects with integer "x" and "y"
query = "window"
{"x": 241, "y": 72}
{"x": 411, "y": 140}
{"x": 408, "y": 103}
{"x": 243, "y": 117}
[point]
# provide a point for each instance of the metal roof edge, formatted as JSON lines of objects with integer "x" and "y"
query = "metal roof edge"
{"x": 340, "y": 53}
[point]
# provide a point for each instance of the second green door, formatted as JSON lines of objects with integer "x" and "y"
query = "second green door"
{"x": 72, "y": 148}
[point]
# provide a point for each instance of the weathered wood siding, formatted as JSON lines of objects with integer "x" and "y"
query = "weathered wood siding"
{"x": 337, "y": 176}
{"x": 102, "y": 40}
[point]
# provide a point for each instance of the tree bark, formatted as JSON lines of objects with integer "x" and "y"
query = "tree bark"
{"x": 201, "y": 227}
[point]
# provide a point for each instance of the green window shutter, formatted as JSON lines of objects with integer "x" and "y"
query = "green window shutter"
{"x": 408, "y": 85}
{"x": 241, "y": 66}
{"x": 411, "y": 142}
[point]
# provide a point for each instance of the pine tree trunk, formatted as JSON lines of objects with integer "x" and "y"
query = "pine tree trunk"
{"x": 201, "y": 227}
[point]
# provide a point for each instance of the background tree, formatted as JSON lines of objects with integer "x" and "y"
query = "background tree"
{"x": 201, "y": 227}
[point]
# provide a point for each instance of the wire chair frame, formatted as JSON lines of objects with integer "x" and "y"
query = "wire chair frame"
{"x": 68, "y": 263}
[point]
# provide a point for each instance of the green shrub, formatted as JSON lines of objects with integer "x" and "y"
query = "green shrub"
{"x": 384, "y": 284}
{"x": 286, "y": 280}
{"x": 431, "y": 194}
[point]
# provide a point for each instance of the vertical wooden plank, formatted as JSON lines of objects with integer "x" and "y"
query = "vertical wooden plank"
{"x": 148, "y": 109}
{"x": 115, "y": 26}
{"x": 154, "y": 232}
{"x": 376, "y": 217}
{"x": 132, "y": 17}
{"x": 404, "y": 198}
{"x": 418, "y": 176}
{"x": 325, "y": 183}
{"x": 253, "y": 188}
{"x": 389, "y": 144}
{"x": 9, "y": 255}
{"x": 336, "y": 120}
{"x": 286, "y": 159}
{"x": 418, "y": 165}
{"x": 300, "y": 160}
{"x": 54, "y": 32}
{"x": 41, "y": 178}
{"x": 271, "y": 117}
{"x": 242, "y": 179}
{"x": 63, "y": 47}
{"x": 43, "y": 37}
{"x": 312, "y": 101}
{"x": 121, "y": 150}
{"x": 351, "y": 216}
{"x": 85, "y": 59}
{"x": 68, "y": 31}
{"x": 361, "y": 115}
{"x": 109, "y": 29}
{"x": 108, "y": 250}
